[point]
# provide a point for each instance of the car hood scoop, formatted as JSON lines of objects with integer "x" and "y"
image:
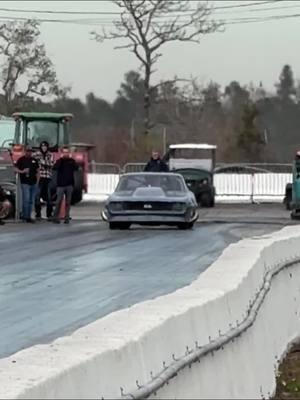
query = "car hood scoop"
{"x": 149, "y": 192}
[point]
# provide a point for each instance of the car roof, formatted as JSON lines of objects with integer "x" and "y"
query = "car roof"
{"x": 199, "y": 146}
{"x": 153, "y": 173}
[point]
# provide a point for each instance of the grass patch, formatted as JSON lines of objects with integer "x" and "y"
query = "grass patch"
{"x": 288, "y": 377}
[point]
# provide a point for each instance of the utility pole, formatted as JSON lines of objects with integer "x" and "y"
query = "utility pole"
{"x": 165, "y": 140}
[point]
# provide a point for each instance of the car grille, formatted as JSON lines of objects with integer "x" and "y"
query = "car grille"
{"x": 148, "y": 206}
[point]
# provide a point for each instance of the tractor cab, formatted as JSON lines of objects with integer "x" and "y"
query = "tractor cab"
{"x": 7, "y": 132}
{"x": 33, "y": 128}
{"x": 7, "y": 135}
{"x": 196, "y": 163}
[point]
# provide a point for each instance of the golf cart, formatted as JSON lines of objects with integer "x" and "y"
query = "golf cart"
{"x": 196, "y": 163}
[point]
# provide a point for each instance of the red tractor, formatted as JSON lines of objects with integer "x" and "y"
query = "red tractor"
{"x": 32, "y": 128}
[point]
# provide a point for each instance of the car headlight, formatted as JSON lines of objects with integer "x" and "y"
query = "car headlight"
{"x": 115, "y": 206}
{"x": 179, "y": 206}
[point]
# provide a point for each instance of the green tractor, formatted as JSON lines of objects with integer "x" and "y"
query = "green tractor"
{"x": 31, "y": 128}
{"x": 295, "y": 204}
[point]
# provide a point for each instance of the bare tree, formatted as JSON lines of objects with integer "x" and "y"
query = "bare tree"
{"x": 148, "y": 25}
{"x": 26, "y": 70}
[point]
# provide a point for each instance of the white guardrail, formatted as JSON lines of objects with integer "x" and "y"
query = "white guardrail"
{"x": 221, "y": 337}
{"x": 229, "y": 187}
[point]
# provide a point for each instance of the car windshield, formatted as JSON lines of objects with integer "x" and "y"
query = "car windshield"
{"x": 168, "y": 183}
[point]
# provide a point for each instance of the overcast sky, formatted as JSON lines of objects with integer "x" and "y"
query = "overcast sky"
{"x": 244, "y": 52}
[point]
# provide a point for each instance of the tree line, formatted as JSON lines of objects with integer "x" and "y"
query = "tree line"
{"x": 247, "y": 123}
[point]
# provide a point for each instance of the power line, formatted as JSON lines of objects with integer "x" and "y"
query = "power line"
{"x": 264, "y": 19}
{"x": 95, "y": 22}
{"x": 109, "y": 22}
{"x": 258, "y": 3}
{"x": 259, "y": 10}
{"x": 242, "y": 5}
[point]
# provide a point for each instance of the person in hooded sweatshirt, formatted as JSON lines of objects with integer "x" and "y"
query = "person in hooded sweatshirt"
{"x": 156, "y": 164}
{"x": 46, "y": 162}
{"x": 65, "y": 168}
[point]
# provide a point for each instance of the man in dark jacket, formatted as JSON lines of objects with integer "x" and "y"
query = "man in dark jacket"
{"x": 45, "y": 160}
{"x": 156, "y": 164}
{"x": 28, "y": 169}
{"x": 65, "y": 168}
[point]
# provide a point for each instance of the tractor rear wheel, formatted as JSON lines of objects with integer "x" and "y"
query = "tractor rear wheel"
{"x": 76, "y": 196}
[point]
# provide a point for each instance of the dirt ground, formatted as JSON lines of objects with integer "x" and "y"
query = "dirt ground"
{"x": 288, "y": 378}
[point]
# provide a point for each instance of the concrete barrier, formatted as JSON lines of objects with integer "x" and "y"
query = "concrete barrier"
{"x": 136, "y": 347}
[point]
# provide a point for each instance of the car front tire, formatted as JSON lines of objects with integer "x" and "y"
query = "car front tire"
{"x": 185, "y": 226}
{"x": 119, "y": 225}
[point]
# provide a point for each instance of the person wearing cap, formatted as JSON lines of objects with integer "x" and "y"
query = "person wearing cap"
{"x": 156, "y": 164}
{"x": 28, "y": 169}
{"x": 45, "y": 160}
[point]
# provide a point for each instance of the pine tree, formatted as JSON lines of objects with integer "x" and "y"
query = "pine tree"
{"x": 286, "y": 85}
{"x": 249, "y": 140}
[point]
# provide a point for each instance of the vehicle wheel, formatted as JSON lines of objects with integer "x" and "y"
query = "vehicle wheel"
{"x": 185, "y": 225}
{"x": 288, "y": 198}
{"x": 6, "y": 209}
{"x": 76, "y": 197}
{"x": 124, "y": 225}
{"x": 119, "y": 225}
{"x": 78, "y": 186}
{"x": 288, "y": 202}
{"x": 294, "y": 215}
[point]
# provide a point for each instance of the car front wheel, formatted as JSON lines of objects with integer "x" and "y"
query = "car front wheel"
{"x": 186, "y": 225}
{"x": 119, "y": 225}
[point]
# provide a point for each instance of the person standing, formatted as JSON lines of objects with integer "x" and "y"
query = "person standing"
{"x": 45, "y": 160}
{"x": 156, "y": 164}
{"x": 65, "y": 169}
{"x": 28, "y": 169}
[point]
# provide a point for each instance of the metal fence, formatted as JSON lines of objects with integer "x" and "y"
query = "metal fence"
{"x": 133, "y": 167}
{"x": 239, "y": 186}
{"x": 229, "y": 187}
{"x": 236, "y": 168}
{"x": 253, "y": 168}
{"x": 104, "y": 168}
